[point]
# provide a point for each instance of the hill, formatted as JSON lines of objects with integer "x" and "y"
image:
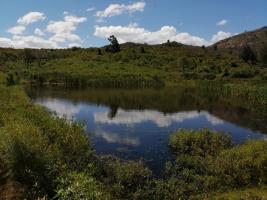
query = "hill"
{"x": 138, "y": 65}
{"x": 256, "y": 39}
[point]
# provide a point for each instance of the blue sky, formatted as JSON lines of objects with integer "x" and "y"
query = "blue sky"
{"x": 86, "y": 23}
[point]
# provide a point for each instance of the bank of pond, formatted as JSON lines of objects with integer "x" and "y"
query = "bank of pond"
{"x": 43, "y": 155}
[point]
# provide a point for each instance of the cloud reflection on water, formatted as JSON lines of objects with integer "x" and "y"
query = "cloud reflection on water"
{"x": 116, "y": 138}
{"x": 162, "y": 120}
{"x": 62, "y": 109}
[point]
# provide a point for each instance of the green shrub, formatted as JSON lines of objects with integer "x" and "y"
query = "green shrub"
{"x": 78, "y": 186}
{"x": 127, "y": 177}
{"x": 243, "y": 165}
{"x": 35, "y": 147}
{"x": 198, "y": 143}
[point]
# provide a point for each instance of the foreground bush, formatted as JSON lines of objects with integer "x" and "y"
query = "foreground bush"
{"x": 126, "y": 177}
{"x": 35, "y": 147}
{"x": 78, "y": 186}
{"x": 243, "y": 165}
{"x": 207, "y": 162}
{"x": 198, "y": 143}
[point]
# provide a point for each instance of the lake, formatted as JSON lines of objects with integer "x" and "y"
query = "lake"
{"x": 137, "y": 123}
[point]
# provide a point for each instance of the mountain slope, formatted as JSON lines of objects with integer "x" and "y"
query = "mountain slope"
{"x": 255, "y": 39}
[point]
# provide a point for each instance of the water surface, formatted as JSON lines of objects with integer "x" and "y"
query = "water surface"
{"x": 134, "y": 124}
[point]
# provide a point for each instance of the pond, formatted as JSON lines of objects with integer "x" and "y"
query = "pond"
{"x": 137, "y": 123}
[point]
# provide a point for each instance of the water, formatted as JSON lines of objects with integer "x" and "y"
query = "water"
{"x": 134, "y": 124}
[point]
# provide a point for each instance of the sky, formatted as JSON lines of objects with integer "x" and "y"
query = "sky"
{"x": 88, "y": 23}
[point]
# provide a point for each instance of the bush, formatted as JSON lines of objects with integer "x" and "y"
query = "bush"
{"x": 243, "y": 165}
{"x": 78, "y": 186}
{"x": 127, "y": 177}
{"x": 199, "y": 143}
{"x": 35, "y": 148}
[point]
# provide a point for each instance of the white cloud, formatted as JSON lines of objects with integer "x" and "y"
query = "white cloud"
{"x": 31, "y": 17}
{"x": 118, "y": 9}
{"x": 63, "y": 30}
{"x": 17, "y": 30}
{"x": 5, "y": 42}
{"x": 60, "y": 32}
{"x": 32, "y": 42}
{"x": 223, "y": 22}
{"x": 140, "y": 35}
{"x": 69, "y": 24}
{"x": 134, "y": 33}
{"x": 220, "y": 36}
{"x": 65, "y": 37}
{"x": 90, "y": 9}
{"x": 74, "y": 45}
{"x": 38, "y": 32}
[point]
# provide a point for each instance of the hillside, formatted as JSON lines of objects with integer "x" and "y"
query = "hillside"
{"x": 255, "y": 39}
{"x": 138, "y": 65}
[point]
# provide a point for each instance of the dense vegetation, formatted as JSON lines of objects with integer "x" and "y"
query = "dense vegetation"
{"x": 136, "y": 65}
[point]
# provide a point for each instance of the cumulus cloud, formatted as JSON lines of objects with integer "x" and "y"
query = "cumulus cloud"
{"x": 118, "y": 9}
{"x": 38, "y": 32}
{"x": 61, "y": 33}
{"x": 140, "y": 35}
{"x": 17, "y": 30}
{"x": 31, "y": 17}
{"x": 5, "y": 42}
{"x": 220, "y": 36}
{"x": 19, "y": 41}
{"x": 32, "y": 42}
{"x": 134, "y": 33}
{"x": 63, "y": 30}
{"x": 223, "y": 22}
{"x": 90, "y": 9}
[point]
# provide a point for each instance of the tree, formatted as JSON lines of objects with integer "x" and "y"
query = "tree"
{"x": 114, "y": 44}
{"x": 247, "y": 54}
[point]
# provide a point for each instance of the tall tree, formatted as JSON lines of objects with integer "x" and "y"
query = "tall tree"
{"x": 114, "y": 44}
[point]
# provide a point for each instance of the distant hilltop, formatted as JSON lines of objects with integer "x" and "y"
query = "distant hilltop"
{"x": 256, "y": 39}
